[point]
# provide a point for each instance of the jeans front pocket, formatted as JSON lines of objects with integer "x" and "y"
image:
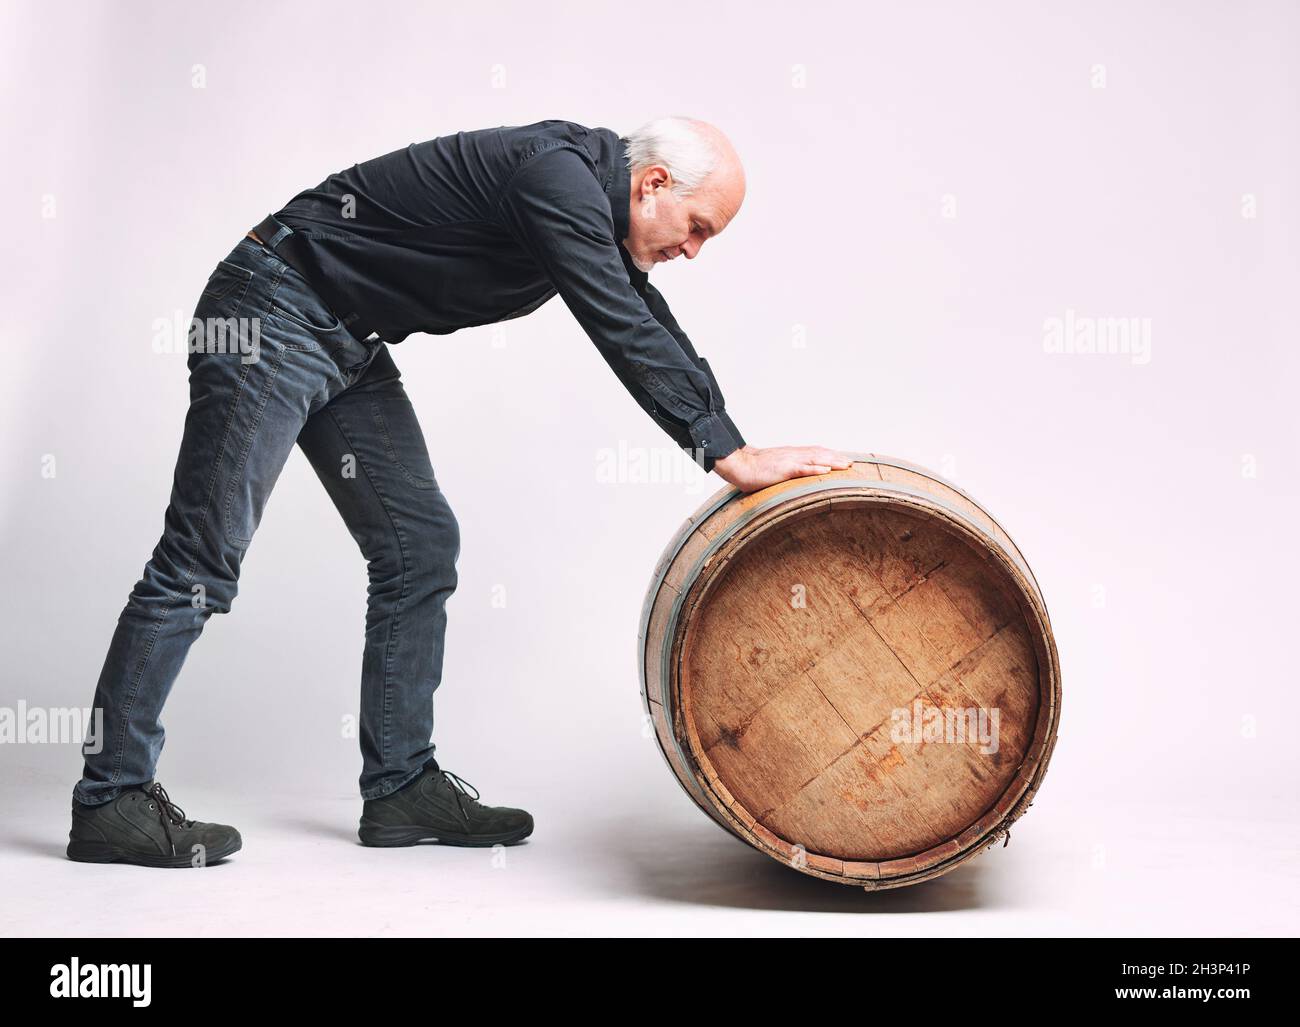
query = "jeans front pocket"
{"x": 305, "y": 320}
{"x": 308, "y": 327}
{"x": 308, "y": 320}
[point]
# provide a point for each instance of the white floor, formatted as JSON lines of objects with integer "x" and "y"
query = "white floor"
{"x": 595, "y": 867}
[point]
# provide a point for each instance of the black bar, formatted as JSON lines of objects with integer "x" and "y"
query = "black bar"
{"x": 1022, "y": 977}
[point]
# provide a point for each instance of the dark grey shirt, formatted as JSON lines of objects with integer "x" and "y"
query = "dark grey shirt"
{"x": 483, "y": 226}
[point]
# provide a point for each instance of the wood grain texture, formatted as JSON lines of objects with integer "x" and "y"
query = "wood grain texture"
{"x": 854, "y": 673}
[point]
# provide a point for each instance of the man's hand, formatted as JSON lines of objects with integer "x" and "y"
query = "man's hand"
{"x": 751, "y": 469}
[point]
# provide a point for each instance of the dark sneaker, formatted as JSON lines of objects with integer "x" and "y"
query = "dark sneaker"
{"x": 143, "y": 826}
{"x": 440, "y": 807}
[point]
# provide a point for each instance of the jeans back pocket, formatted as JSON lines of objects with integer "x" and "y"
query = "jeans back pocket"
{"x": 225, "y": 288}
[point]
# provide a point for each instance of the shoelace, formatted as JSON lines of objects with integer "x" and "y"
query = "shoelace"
{"x": 168, "y": 810}
{"x": 459, "y": 786}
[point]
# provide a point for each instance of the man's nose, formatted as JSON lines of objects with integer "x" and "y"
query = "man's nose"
{"x": 690, "y": 247}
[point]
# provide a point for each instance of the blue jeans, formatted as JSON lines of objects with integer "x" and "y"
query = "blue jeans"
{"x": 271, "y": 365}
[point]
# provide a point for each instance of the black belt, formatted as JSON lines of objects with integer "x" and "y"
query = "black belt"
{"x": 280, "y": 239}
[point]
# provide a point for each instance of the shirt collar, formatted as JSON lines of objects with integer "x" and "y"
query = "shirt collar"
{"x": 609, "y": 151}
{"x": 618, "y": 187}
{"x": 620, "y": 191}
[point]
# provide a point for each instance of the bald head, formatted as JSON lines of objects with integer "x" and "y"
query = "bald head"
{"x": 687, "y": 185}
{"x": 728, "y": 170}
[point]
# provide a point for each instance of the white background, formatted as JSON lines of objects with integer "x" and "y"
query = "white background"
{"x": 1155, "y": 501}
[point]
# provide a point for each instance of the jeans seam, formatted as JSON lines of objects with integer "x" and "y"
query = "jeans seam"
{"x": 382, "y": 423}
{"x": 237, "y": 473}
{"x": 394, "y": 621}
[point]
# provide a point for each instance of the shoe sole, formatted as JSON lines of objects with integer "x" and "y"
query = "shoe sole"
{"x": 384, "y": 837}
{"x": 102, "y": 852}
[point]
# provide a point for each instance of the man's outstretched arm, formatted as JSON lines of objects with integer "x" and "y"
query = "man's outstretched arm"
{"x": 557, "y": 210}
{"x": 747, "y": 467}
{"x": 559, "y": 213}
{"x": 663, "y": 314}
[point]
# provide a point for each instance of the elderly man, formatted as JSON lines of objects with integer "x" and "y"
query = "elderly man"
{"x": 466, "y": 229}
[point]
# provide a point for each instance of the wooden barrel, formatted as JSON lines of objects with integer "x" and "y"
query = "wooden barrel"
{"x": 853, "y": 672}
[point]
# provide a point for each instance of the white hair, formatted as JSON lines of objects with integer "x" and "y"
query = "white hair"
{"x": 678, "y": 145}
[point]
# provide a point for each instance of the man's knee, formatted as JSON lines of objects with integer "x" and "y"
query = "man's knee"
{"x": 174, "y": 579}
{"x": 434, "y": 547}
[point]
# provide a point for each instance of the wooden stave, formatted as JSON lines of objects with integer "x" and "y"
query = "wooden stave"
{"x": 789, "y": 498}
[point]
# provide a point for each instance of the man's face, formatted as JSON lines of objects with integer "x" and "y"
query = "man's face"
{"x": 663, "y": 226}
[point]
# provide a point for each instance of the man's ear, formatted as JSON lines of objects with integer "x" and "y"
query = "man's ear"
{"x": 656, "y": 177}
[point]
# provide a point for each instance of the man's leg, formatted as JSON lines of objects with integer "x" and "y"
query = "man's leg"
{"x": 367, "y": 449}
{"x": 246, "y": 410}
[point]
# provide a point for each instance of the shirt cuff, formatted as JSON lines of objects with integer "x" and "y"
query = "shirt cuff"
{"x": 735, "y": 432}
{"x": 715, "y": 437}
